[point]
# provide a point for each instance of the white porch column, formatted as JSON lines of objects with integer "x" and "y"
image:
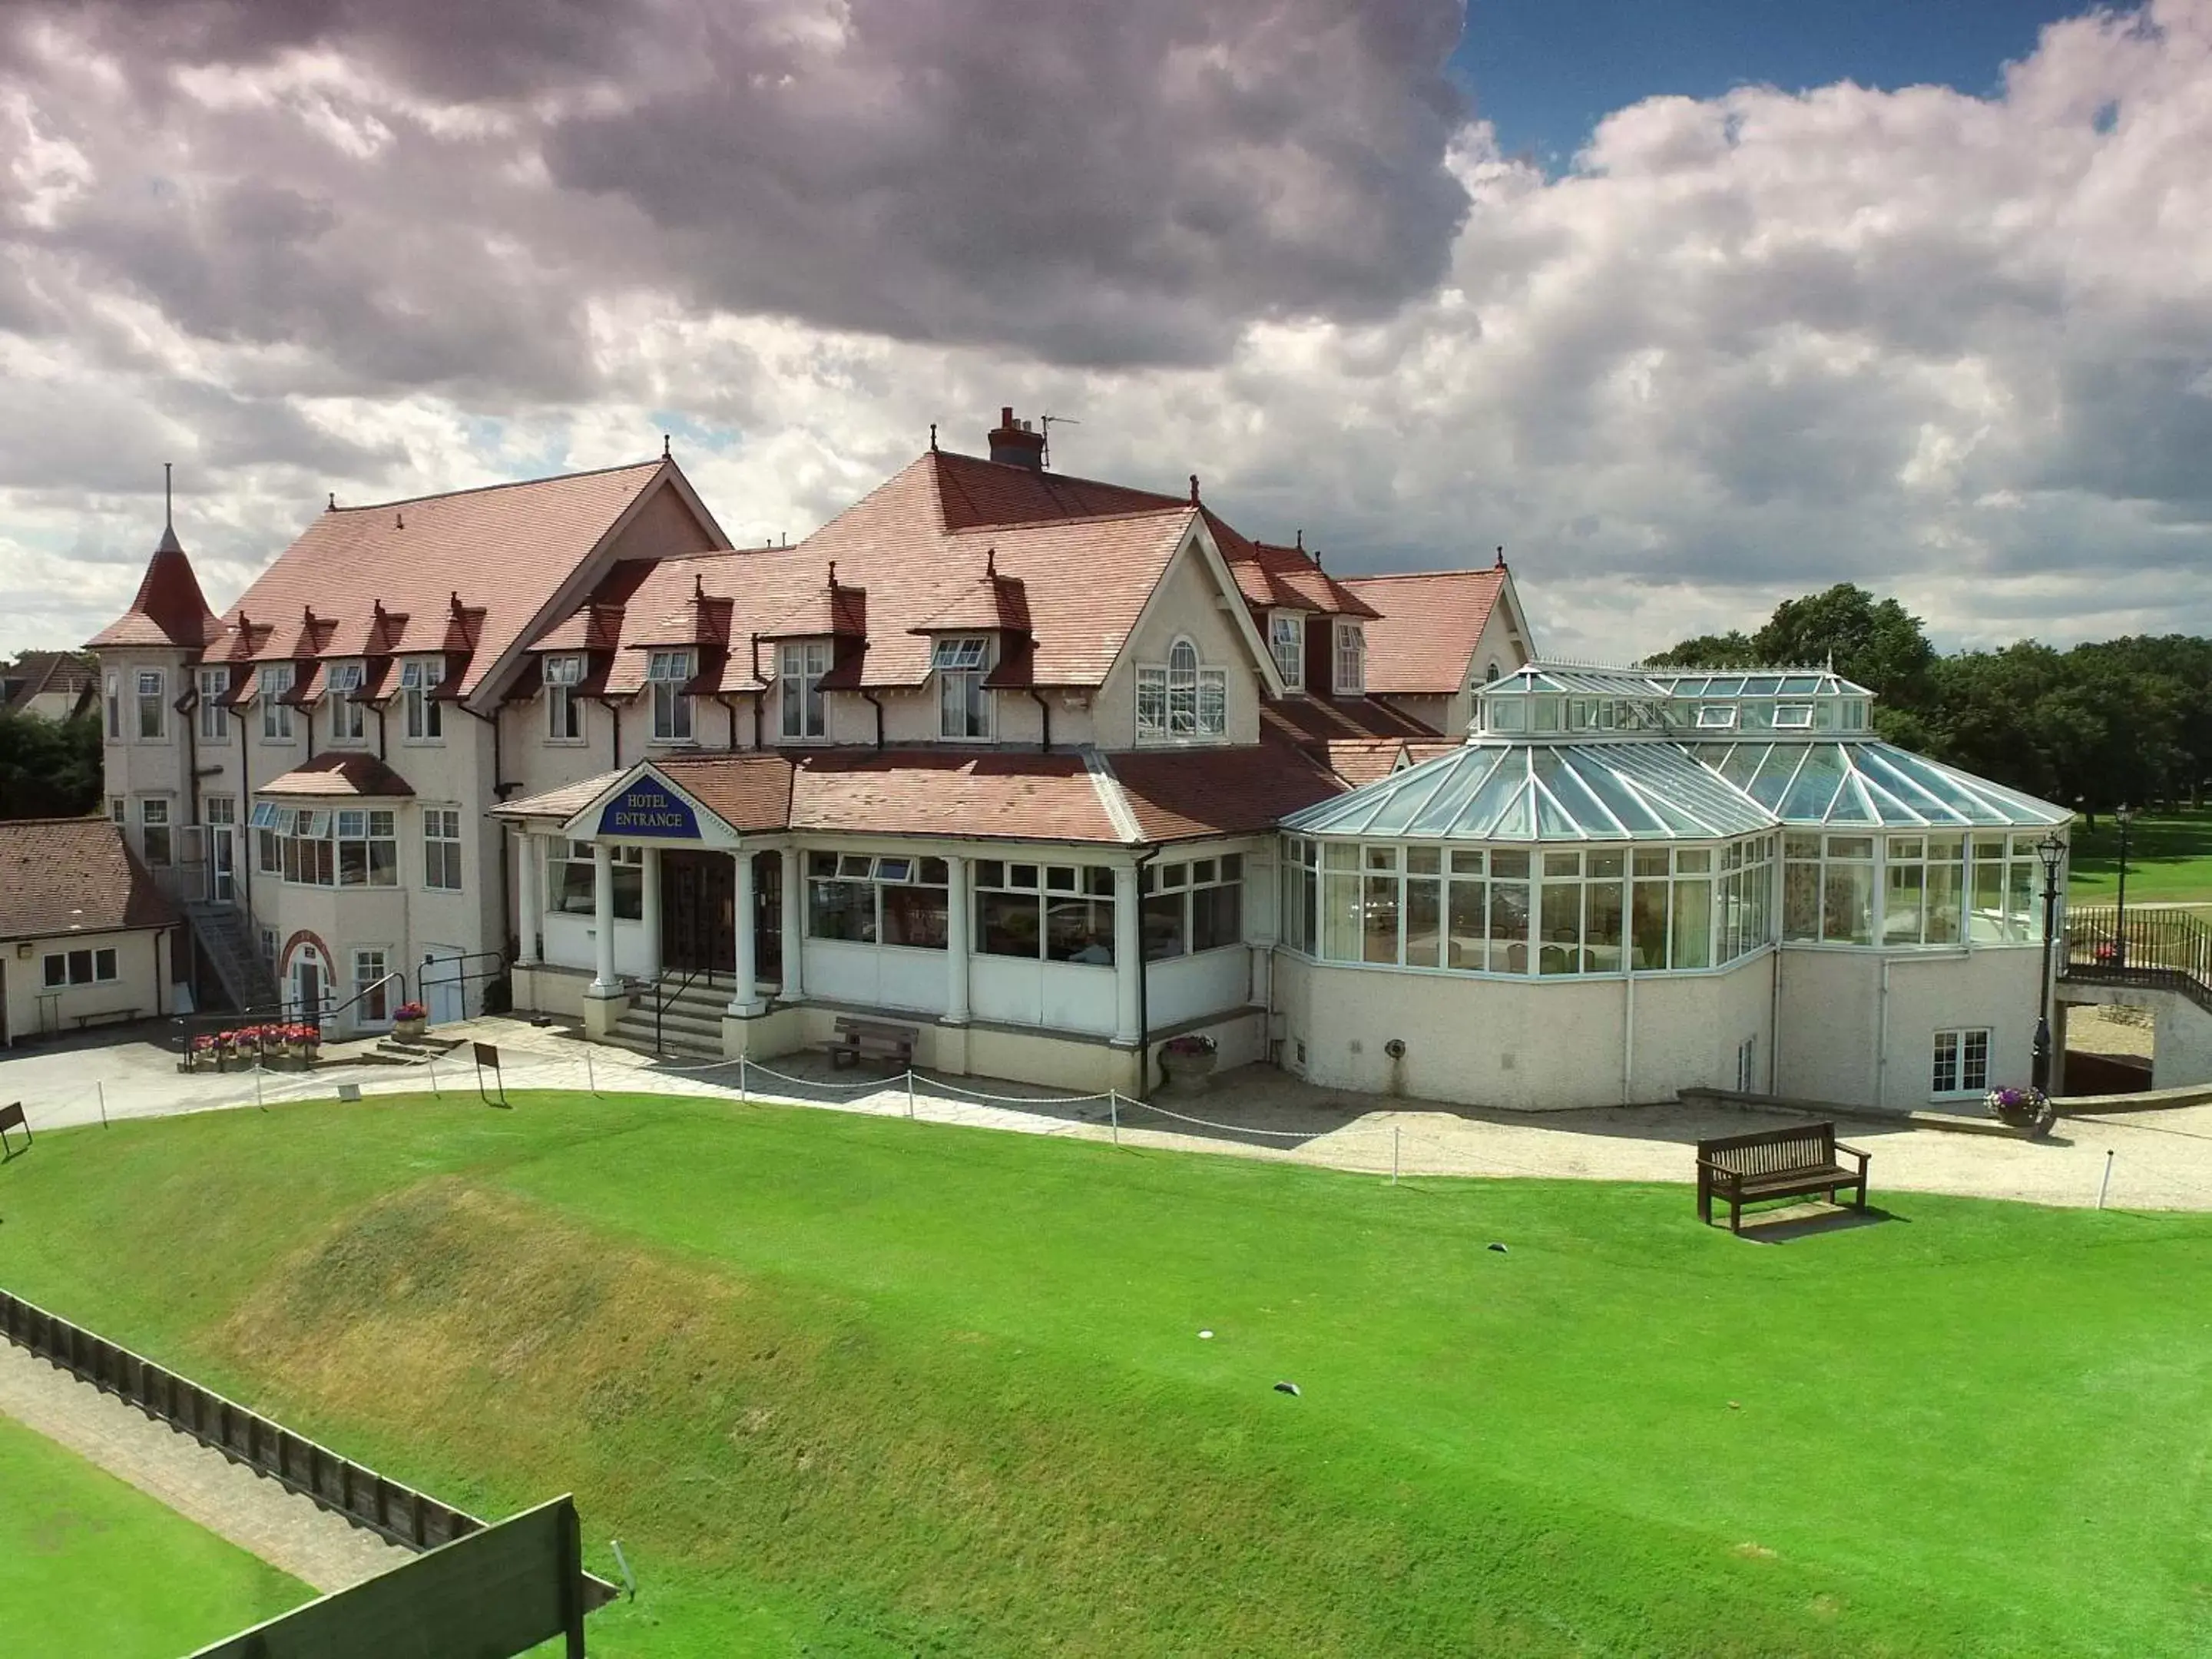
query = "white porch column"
{"x": 1129, "y": 955}
{"x": 745, "y": 1000}
{"x": 794, "y": 925}
{"x": 651, "y": 917}
{"x": 959, "y": 917}
{"x": 527, "y": 899}
{"x": 603, "y": 982}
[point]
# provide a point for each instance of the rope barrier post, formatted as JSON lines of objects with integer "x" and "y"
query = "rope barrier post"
{"x": 1394, "y": 1155}
{"x": 435, "y": 1089}
{"x": 909, "y": 1091}
{"x": 257, "y": 1089}
{"x": 102, "y": 1087}
{"x": 745, "y": 1091}
{"x": 591, "y": 1078}
{"x": 2105, "y": 1186}
{"x": 1113, "y": 1113}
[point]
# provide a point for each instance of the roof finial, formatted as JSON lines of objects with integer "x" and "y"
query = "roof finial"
{"x": 1301, "y": 540}
{"x": 456, "y": 602}
{"x": 932, "y": 437}
{"x": 833, "y": 576}
{"x": 664, "y": 446}
{"x": 698, "y": 585}
{"x": 399, "y": 521}
{"x": 333, "y": 507}
{"x": 1501, "y": 557}
{"x": 991, "y": 561}
{"x": 1193, "y": 490}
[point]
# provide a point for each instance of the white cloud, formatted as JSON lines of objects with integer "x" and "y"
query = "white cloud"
{"x": 1950, "y": 347}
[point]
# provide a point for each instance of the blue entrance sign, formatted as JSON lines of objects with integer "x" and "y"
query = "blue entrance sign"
{"x": 646, "y": 808}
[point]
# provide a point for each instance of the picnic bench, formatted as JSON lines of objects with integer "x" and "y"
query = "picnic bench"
{"x": 1792, "y": 1163}
{"x": 871, "y": 1039}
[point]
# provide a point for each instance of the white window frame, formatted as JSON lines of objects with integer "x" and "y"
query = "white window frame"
{"x": 1286, "y": 638}
{"x": 153, "y": 814}
{"x": 1351, "y": 640}
{"x": 274, "y": 683}
{"x": 1717, "y": 717}
{"x": 214, "y": 685}
{"x": 150, "y": 696}
{"x": 419, "y": 677}
{"x": 114, "y": 708}
{"x": 803, "y": 712}
{"x": 349, "y": 719}
{"x": 1793, "y": 717}
{"x": 1959, "y": 1063}
{"x": 964, "y": 708}
{"x": 118, "y": 810}
{"x": 442, "y": 828}
{"x": 564, "y": 712}
{"x": 1182, "y": 701}
{"x": 666, "y": 672}
{"x": 101, "y": 957}
{"x": 367, "y": 973}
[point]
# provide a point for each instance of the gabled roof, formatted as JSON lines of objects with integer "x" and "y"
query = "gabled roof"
{"x": 1428, "y": 624}
{"x": 1274, "y": 578}
{"x": 169, "y": 609}
{"x": 36, "y": 673}
{"x": 463, "y": 572}
{"x": 335, "y": 774}
{"x": 61, "y": 876}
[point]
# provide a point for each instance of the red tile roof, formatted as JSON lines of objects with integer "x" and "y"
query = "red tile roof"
{"x": 466, "y": 571}
{"x": 1422, "y": 642}
{"x": 1282, "y": 578}
{"x": 60, "y": 876}
{"x": 169, "y": 609}
{"x": 1328, "y": 719}
{"x": 335, "y": 773}
{"x": 917, "y": 547}
{"x": 35, "y": 673}
{"x": 1178, "y": 795}
{"x": 1026, "y": 796}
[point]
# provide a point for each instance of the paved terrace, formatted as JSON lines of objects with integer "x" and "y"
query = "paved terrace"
{"x": 2163, "y": 1159}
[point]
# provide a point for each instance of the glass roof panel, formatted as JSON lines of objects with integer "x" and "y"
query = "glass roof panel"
{"x": 1552, "y": 823}
{"x": 1562, "y": 781}
{"x": 1518, "y": 822}
{"x": 1729, "y": 687}
{"x": 1778, "y": 768}
{"x": 1851, "y": 805}
{"x": 1796, "y": 685}
{"x": 1592, "y": 767}
{"x": 1933, "y": 795}
{"x": 1738, "y": 762}
{"x": 1814, "y": 790}
{"x": 1435, "y": 814}
{"x": 1505, "y": 790}
{"x": 1761, "y": 686}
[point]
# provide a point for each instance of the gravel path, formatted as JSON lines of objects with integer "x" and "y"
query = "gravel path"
{"x": 283, "y": 1528}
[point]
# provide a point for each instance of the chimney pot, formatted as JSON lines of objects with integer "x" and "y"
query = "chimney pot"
{"x": 1013, "y": 443}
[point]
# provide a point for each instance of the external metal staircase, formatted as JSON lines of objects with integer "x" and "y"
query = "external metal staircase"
{"x": 227, "y": 942}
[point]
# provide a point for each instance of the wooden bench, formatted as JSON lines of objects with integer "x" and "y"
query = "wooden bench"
{"x": 871, "y": 1039}
{"x": 1790, "y": 1162}
{"x": 119, "y": 1015}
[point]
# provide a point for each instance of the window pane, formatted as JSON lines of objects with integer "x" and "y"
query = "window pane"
{"x": 1847, "y": 904}
{"x": 1008, "y": 924}
{"x": 1424, "y": 921}
{"x": 1601, "y": 924}
{"x": 1945, "y": 901}
{"x": 1509, "y": 926}
{"x": 1379, "y": 924}
{"x": 916, "y": 916}
{"x": 842, "y": 910}
{"x": 1216, "y": 917}
{"x": 1800, "y": 900}
{"x": 1080, "y": 930}
{"x": 1340, "y": 923}
{"x": 1901, "y": 904}
{"x": 1511, "y": 865}
{"x": 1560, "y": 951}
{"x": 80, "y": 967}
{"x": 1161, "y": 916}
{"x": 1693, "y": 923}
{"x": 1647, "y": 929}
{"x": 629, "y": 891}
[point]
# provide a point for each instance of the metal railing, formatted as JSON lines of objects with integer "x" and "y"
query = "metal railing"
{"x": 2159, "y": 949}
{"x": 662, "y": 997}
{"x": 438, "y": 972}
{"x": 185, "y": 1028}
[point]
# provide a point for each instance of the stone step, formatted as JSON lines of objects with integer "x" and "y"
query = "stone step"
{"x": 677, "y": 1046}
{"x": 705, "y": 1027}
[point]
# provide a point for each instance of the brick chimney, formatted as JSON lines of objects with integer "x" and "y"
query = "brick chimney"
{"x": 1014, "y": 443}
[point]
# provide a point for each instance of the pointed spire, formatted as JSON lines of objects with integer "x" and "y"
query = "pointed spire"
{"x": 169, "y": 608}
{"x": 168, "y": 543}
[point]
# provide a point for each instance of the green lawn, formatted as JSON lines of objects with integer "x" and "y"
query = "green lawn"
{"x": 2169, "y": 859}
{"x": 94, "y": 1566}
{"x": 854, "y": 1386}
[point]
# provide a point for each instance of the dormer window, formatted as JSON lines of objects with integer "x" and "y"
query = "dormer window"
{"x": 419, "y": 677}
{"x": 275, "y": 713}
{"x": 666, "y": 672}
{"x": 1287, "y": 638}
{"x": 347, "y": 716}
{"x": 799, "y": 689}
{"x": 1351, "y": 660}
{"x": 963, "y": 707}
{"x": 564, "y": 714}
{"x": 1181, "y": 701}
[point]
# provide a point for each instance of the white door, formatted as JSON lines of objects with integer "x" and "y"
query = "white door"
{"x": 311, "y": 984}
{"x": 445, "y": 996}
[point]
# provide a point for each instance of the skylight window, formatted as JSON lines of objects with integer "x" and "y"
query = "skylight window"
{"x": 1717, "y": 717}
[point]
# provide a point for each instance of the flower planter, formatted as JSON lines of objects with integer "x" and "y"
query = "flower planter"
{"x": 2027, "y": 1110}
{"x": 409, "y": 1029}
{"x": 1186, "y": 1073}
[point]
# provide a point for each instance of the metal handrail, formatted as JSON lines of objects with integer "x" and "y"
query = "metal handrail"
{"x": 2157, "y": 950}
{"x": 660, "y": 1006}
{"x": 424, "y": 979}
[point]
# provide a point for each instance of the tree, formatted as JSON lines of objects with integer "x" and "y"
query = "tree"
{"x": 1733, "y": 649}
{"x": 49, "y": 768}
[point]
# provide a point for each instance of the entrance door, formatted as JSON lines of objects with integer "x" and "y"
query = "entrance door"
{"x": 768, "y": 916}
{"x": 222, "y": 849}
{"x": 698, "y": 913}
{"x": 311, "y": 984}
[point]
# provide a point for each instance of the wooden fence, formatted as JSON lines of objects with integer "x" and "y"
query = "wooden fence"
{"x": 409, "y": 1518}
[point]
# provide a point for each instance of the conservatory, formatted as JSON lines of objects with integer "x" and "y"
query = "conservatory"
{"x": 1590, "y": 902}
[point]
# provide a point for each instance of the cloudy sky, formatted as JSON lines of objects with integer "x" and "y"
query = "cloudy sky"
{"x": 1691, "y": 307}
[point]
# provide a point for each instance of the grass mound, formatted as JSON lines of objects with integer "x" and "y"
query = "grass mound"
{"x": 849, "y": 1386}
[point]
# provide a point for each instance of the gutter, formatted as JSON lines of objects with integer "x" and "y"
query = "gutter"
{"x": 1044, "y": 709}
{"x": 500, "y": 789}
{"x": 876, "y": 703}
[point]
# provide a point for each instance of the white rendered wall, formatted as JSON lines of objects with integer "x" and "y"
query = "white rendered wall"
{"x": 1188, "y": 603}
{"x": 1839, "y": 1038}
{"x": 1183, "y": 989}
{"x": 136, "y": 984}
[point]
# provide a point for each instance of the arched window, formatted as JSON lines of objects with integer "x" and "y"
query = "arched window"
{"x": 1490, "y": 673}
{"x": 1183, "y": 689}
{"x": 1180, "y": 699}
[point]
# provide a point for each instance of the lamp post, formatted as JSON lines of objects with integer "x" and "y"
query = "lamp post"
{"x": 2124, "y": 817}
{"x": 2051, "y": 849}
